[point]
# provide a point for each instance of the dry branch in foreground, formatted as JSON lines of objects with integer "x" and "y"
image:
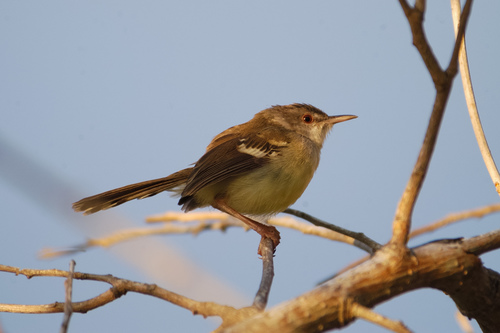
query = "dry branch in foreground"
{"x": 451, "y": 266}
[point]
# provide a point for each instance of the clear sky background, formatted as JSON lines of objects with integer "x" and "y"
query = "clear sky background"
{"x": 95, "y": 95}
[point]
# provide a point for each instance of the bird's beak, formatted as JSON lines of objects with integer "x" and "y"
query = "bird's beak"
{"x": 338, "y": 119}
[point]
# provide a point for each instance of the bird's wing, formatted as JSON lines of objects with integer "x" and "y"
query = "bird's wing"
{"x": 236, "y": 155}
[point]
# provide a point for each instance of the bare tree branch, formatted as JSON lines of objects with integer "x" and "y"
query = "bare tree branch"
{"x": 360, "y": 240}
{"x": 447, "y": 220}
{"x": 451, "y": 266}
{"x": 262, "y": 295}
{"x": 471, "y": 102}
{"x": 445, "y": 265}
{"x": 128, "y": 234}
{"x": 119, "y": 287}
{"x": 206, "y": 221}
{"x": 415, "y": 17}
{"x": 219, "y": 220}
{"x": 456, "y": 217}
{"x": 484, "y": 243}
{"x": 359, "y": 311}
{"x": 442, "y": 81}
{"x": 68, "y": 286}
{"x": 459, "y": 39}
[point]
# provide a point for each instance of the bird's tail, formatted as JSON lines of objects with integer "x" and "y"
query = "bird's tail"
{"x": 123, "y": 194}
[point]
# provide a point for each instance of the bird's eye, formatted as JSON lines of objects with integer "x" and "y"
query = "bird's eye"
{"x": 307, "y": 118}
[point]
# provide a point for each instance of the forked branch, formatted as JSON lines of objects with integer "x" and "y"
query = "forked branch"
{"x": 442, "y": 82}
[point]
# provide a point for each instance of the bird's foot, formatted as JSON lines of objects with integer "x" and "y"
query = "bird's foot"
{"x": 268, "y": 232}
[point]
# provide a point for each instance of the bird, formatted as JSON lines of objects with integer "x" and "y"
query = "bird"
{"x": 255, "y": 169}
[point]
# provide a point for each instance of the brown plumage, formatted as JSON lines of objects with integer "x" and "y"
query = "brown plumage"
{"x": 259, "y": 168}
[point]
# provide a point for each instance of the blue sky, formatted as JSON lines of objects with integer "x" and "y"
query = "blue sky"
{"x": 96, "y": 95}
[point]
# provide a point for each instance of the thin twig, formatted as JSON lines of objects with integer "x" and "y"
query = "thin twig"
{"x": 361, "y": 240}
{"x": 266, "y": 249}
{"x": 128, "y": 234}
{"x": 459, "y": 39}
{"x": 471, "y": 102}
{"x": 311, "y": 229}
{"x": 216, "y": 221}
{"x": 415, "y": 17}
{"x": 327, "y": 231}
{"x": 68, "y": 308}
{"x": 189, "y": 217}
{"x": 456, "y": 217}
{"x": 369, "y": 315}
{"x": 119, "y": 288}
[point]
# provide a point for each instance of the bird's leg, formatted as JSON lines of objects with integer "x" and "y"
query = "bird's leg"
{"x": 266, "y": 231}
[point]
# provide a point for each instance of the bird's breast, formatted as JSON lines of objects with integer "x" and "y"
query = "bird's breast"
{"x": 276, "y": 185}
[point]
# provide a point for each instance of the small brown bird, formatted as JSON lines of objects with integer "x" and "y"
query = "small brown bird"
{"x": 258, "y": 168}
